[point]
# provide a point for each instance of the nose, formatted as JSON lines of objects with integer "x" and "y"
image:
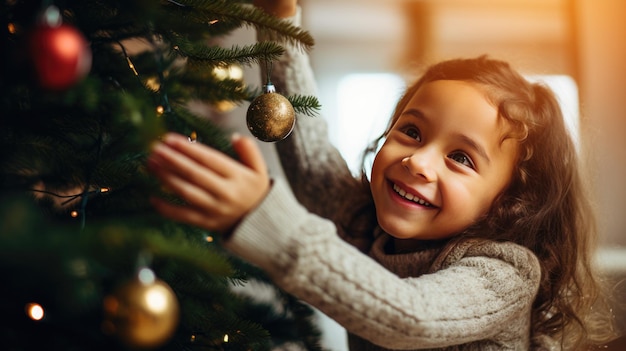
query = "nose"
{"x": 421, "y": 165}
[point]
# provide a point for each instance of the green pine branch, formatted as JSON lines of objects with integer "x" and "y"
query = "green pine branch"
{"x": 65, "y": 147}
{"x": 233, "y": 15}
{"x": 215, "y": 55}
{"x": 308, "y": 105}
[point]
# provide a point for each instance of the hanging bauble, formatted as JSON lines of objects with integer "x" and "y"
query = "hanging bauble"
{"x": 60, "y": 53}
{"x": 270, "y": 116}
{"x": 142, "y": 313}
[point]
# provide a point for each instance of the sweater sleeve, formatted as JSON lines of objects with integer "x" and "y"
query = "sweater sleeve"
{"x": 316, "y": 171}
{"x": 469, "y": 299}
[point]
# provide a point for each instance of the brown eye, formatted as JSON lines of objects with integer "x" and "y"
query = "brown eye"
{"x": 462, "y": 158}
{"x": 413, "y": 132}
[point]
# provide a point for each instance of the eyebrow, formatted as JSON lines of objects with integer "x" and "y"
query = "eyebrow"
{"x": 471, "y": 143}
{"x": 476, "y": 146}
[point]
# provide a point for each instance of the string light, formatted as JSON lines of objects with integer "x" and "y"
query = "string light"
{"x": 74, "y": 214}
{"x": 71, "y": 197}
{"x": 213, "y": 21}
{"x": 153, "y": 83}
{"x": 12, "y": 29}
{"x": 225, "y": 337}
{"x": 193, "y": 137}
{"x": 209, "y": 239}
{"x": 131, "y": 65}
{"x": 160, "y": 109}
{"x": 192, "y": 338}
{"x": 35, "y": 311}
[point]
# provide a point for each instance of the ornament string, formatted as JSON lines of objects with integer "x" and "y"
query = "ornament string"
{"x": 269, "y": 66}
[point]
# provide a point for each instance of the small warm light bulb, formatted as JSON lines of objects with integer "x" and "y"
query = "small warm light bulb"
{"x": 153, "y": 83}
{"x": 131, "y": 65}
{"x": 105, "y": 190}
{"x": 35, "y": 311}
{"x": 11, "y": 27}
{"x": 192, "y": 338}
{"x": 209, "y": 239}
{"x": 160, "y": 110}
{"x": 225, "y": 337}
{"x": 193, "y": 137}
{"x": 74, "y": 214}
{"x": 213, "y": 21}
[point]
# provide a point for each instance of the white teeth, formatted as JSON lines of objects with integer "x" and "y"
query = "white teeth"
{"x": 409, "y": 197}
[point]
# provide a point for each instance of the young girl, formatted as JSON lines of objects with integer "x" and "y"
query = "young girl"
{"x": 473, "y": 233}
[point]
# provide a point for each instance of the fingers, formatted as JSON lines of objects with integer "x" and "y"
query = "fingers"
{"x": 218, "y": 190}
{"x": 186, "y": 214}
{"x": 249, "y": 153}
{"x": 195, "y": 155}
{"x": 184, "y": 176}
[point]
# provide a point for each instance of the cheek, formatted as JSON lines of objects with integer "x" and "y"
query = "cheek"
{"x": 489, "y": 196}
{"x": 466, "y": 201}
{"x": 378, "y": 166}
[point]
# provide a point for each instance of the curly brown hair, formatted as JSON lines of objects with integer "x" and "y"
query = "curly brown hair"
{"x": 545, "y": 208}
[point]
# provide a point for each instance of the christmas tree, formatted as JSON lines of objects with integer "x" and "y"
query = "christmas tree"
{"x": 85, "y": 87}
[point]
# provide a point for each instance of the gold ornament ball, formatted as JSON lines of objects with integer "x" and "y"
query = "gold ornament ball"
{"x": 270, "y": 117}
{"x": 141, "y": 315}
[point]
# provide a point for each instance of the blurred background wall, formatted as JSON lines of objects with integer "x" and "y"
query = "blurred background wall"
{"x": 582, "y": 40}
{"x": 367, "y": 49}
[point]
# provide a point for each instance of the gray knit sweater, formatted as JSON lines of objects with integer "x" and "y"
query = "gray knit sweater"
{"x": 478, "y": 297}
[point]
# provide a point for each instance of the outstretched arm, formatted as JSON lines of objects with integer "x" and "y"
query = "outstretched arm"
{"x": 316, "y": 171}
{"x": 483, "y": 293}
{"x": 485, "y": 289}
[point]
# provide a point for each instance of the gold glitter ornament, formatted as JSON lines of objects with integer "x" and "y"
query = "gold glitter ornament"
{"x": 142, "y": 313}
{"x": 270, "y": 116}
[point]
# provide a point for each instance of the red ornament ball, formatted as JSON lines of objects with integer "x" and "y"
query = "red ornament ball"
{"x": 60, "y": 54}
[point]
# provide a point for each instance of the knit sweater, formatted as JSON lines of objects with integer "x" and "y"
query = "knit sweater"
{"x": 477, "y": 297}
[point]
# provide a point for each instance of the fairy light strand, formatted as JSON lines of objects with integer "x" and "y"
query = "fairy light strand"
{"x": 129, "y": 61}
{"x": 164, "y": 105}
{"x": 158, "y": 56}
{"x": 84, "y": 198}
{"x": 71, "y": 197}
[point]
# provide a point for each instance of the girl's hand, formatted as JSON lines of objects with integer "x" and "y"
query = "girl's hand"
{"x": 218, "y": 190}
{"x": 278, "y": 8}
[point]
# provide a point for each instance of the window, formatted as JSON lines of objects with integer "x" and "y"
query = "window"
{"x": 365, "y": 102}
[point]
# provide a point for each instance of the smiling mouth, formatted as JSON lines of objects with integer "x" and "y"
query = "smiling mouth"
{"x": 410, "y": 197}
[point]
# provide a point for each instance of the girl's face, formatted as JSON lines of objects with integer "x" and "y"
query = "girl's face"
{"x": 443, "y": 163}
